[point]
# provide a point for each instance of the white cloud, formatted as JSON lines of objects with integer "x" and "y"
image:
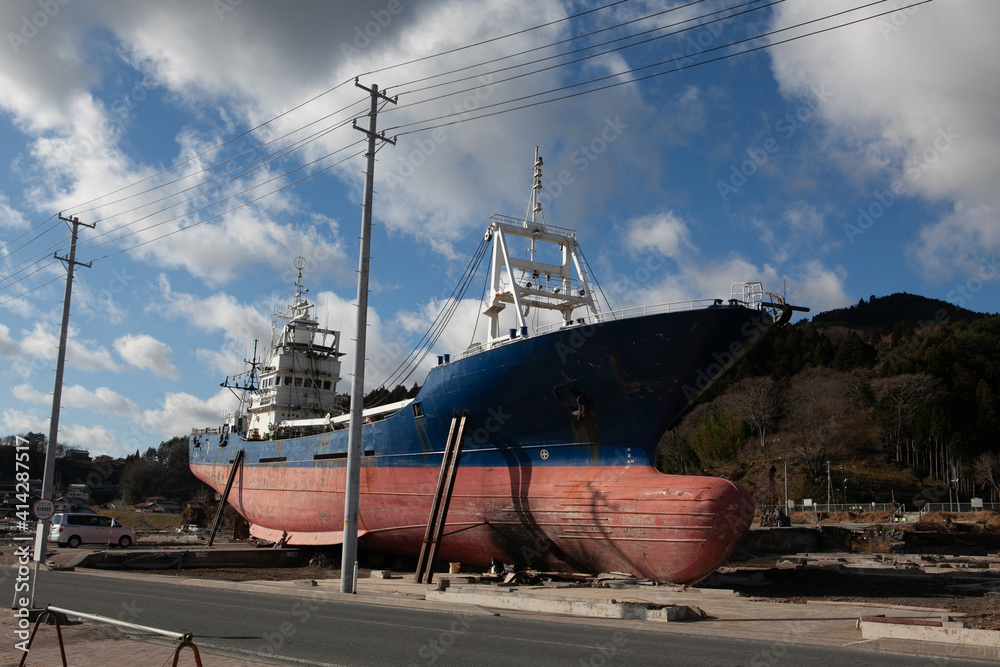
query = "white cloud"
{"x": 102, "y": 399}
{"x": 224, "y": 362}
{"x": 906, "y": 104}
{"x": 96, "y": 438}
{"x": 181, "y": 412}
{"x": 10, "y": 218}
{"x": 652, "y": 281}
{"x": 15, "y": 421}
{"x": 8, "y": 346}
{"x": 664, "y": 232}
{"x": 799, "y": 232}
{"x": 218, "y": 312}
{"x": 27, "y": 393}
{"x": 145, "y": 352}
{"x": 42, "y": 343}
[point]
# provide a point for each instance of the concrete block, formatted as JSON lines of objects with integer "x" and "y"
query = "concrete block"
{"x": 948, "y": 632}
{"x": 642, "y": 611}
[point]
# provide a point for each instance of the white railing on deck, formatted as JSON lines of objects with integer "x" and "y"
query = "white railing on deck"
{"x": 622, "y": 314}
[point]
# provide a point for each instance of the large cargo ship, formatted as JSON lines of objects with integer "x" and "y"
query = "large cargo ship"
{"x": 556, "y": 465}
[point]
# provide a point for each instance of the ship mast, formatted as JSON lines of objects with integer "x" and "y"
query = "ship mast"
{"x": 530, "y": 283}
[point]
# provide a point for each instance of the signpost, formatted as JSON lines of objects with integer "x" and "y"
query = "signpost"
{"x": 43, "y": 509}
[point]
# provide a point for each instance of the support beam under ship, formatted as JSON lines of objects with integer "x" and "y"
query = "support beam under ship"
{"x": 556, "y": 468}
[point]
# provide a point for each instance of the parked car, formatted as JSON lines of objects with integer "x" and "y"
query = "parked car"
{"x": 190, "y": 528}
{"x": 72, "y": 530}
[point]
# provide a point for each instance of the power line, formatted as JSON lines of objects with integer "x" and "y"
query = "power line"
{"x": 470, "y": 117}
{"x": 278, "y": 155}
{"x": 541, "y": 48}
{"x": 221, "y": 162}
{"x": 493, "y": 39}
{"x": 209, "y": 150}
{"x": 587, "y": 48}
{"x": 464, "y": 116}
{"x": 261, "y": 125}
{"x": 29, "y": 291}
{"x": 28, "y": 231}
{"x": 77, "y": 210}
{"x": 218, "y": 215}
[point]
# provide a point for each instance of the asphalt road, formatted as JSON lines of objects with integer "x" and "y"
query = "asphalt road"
{"x": 303, "y": 631}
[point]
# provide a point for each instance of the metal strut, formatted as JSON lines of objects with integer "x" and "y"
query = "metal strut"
{"x": 225, "y": 495}
{"x": 184, "y": 639}
{"x": 441, "y": 500}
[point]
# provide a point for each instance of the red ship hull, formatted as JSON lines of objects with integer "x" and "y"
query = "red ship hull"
{"x": 575, "y": 518}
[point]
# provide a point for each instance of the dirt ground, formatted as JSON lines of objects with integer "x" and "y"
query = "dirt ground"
{"x": 801, "y": 585}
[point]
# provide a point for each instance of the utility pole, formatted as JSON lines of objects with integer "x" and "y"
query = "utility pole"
{"x": 829, "y": 486}
{"x": 785, "y": 461}
{"x": 42, "y": 533}
{"x": 349, "y": 559}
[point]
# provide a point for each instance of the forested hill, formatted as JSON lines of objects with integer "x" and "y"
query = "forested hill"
{"x": 900, "y": 395}
{"x": 887, "y": 311}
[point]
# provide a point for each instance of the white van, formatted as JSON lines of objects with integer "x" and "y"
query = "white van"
{"x": 72, "y": 530}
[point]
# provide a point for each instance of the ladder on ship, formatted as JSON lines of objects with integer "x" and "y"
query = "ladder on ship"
{"x": 441, "y": 500}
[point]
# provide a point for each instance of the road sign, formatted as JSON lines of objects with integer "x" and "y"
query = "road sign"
{"x": 43, "y": 509}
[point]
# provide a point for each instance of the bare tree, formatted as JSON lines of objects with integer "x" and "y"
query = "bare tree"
{"x": 673, "y": 453}
{"x": 758, "y": 400}
{"x": 986, "y": 469}
{"x": 820, "y": 418}
{"x": 904, "y": 394}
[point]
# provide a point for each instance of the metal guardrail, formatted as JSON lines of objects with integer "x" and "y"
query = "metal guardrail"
{"x": 184, "y": 638}
{"x": 896, "y": 508}
{"x": 844, "y": 507}
{"x": 959, "y": 508}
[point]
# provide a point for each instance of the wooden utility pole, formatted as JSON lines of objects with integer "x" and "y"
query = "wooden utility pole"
{"x": 42, "y": 534}
{"x": 349, "y": 560}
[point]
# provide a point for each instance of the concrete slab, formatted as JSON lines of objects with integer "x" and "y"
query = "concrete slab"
{"x": 637, "y": 610}
{"x": 940, "y": 631}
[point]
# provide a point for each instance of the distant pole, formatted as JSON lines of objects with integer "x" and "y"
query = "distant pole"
{"x": 42, "y": 530}
{"x": 829, "y": 486}
{"x": 353, "y": 482}
{"x": 786, "y": 484}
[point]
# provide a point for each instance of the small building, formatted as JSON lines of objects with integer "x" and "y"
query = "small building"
{"x": 68, "y": 504}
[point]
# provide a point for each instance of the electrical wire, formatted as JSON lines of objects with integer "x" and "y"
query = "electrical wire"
{"x": 449, "y": 118}
{"x": 480, "y": 114}
{"x": 470, "y": 117}
{"x": 29, "y": 291}
{"x": 234, "y": 208}
{"x": 543, "y": 47}
{"x": 221, "y": 162}
{"x": 278, "y": 155}
{"x": 593, "y": 46}
{"x": 213, "y": 148}
{"x": 28, "y": 231}
{"x": 422, "y": 348}
{"x": 493, "y": 39}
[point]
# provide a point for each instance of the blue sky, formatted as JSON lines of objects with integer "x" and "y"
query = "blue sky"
{"x": 854, "y": 162}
